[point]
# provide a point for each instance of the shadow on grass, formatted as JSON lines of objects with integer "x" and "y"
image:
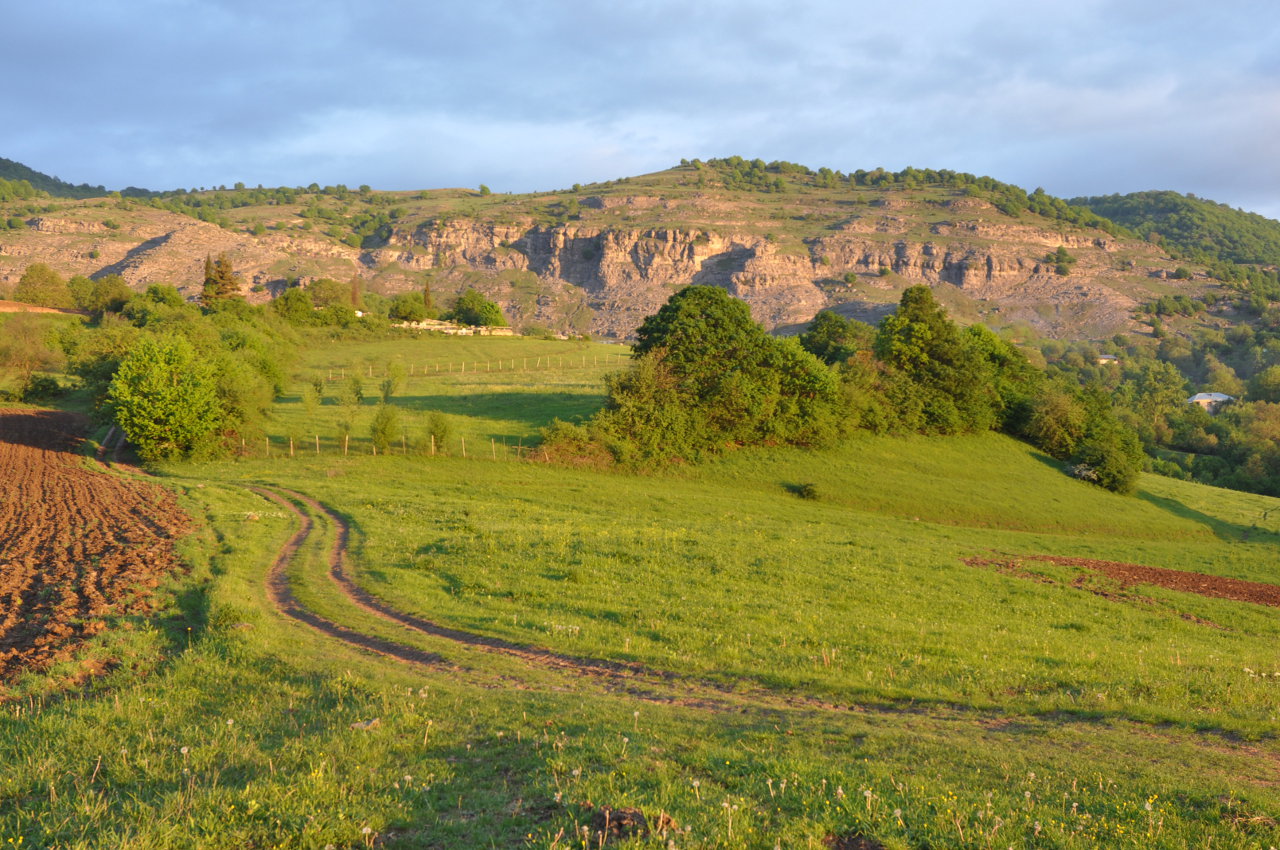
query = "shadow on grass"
{"x": 1224, "y": 530}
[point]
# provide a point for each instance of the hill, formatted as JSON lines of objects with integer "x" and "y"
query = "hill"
{"x": 10, "y": 170}
{"x": 787, "y": 239}
{"x": 1197, "y": 228}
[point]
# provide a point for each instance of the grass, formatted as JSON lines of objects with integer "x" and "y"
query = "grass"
{"x": 840, "y": 670}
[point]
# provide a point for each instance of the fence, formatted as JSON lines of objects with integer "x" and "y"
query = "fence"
{"x": 506, "y": 364}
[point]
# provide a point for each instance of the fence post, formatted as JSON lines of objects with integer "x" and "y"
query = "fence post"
{"x": 464, "y": 446}
{"x": 317, "y": 444}
{"x": 493, "y": 448}
{"x": 433, "y": 445}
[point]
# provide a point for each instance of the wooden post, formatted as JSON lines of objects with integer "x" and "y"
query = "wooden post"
{"x": 464, "y": 446}
{"x": 346, "y": 441}
{"x": 370, "y": 370}
{"x": 290, "y": 445}
{"x": 525, "y": 366}
{"x": 493, "y": 448}
{"x": 268, "y": 439}
{"x": 433, "y": 445}
{"x": 317, "y": 444}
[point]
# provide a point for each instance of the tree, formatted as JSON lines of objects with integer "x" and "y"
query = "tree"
{"x": 384, "y": 430}
{"x": 833, "y": 339}
{"x": 220, "y": 281}
{"x": 164, "y": 398}
{"x": 326, "y": 291}
{"x": 24, "y": 350}
{"x": 408, "y": 307}
{"x": 706, "y": 376}
{"x": 952, "y": 380}
{"x": 44, "y": 287}
{"x": 107, "y": 294}
{"x": 472, "y": 308}
{"x": 294, "y": 306}
{"x": 1265, "y": 386}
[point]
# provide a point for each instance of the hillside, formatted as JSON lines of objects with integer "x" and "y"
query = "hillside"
{"x": 598, "y": 258}
{"x": 1196, "y": 227}
{"x": 10, "y": 170}
{"x": 445, "y": 645}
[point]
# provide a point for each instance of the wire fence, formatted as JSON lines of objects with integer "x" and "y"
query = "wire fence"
{"x": 474, "y": 367}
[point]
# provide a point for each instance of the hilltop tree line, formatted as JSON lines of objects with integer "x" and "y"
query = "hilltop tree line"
{"x": 707, "y": 378}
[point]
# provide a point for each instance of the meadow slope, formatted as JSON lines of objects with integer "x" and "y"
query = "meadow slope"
{"x": 803, "y": 670}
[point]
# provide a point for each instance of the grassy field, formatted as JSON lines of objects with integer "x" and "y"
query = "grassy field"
{"x": 819, "y": 668}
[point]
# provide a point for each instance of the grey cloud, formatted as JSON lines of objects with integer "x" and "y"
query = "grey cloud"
{"x": 1080, "y": 97}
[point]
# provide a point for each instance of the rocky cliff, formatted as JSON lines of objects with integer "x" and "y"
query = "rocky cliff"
{"x": 602, "y": 261}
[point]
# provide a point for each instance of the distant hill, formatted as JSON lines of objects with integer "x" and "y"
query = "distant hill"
{"x": 10, "y": 170}
{"x": 1199, "y": 229}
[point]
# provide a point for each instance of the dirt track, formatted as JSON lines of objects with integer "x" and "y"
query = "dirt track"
{"x": 76, "y": 546}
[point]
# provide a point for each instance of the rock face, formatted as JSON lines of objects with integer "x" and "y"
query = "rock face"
{"x": 627, "y": 274}
{"x": 619, "y": 260}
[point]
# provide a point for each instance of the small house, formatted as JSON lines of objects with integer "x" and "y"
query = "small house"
{"x": 1211, "y": 402}
{"x": 1108, "y": 360}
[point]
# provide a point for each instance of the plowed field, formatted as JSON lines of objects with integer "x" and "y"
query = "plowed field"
{"x": 76, "y": 546}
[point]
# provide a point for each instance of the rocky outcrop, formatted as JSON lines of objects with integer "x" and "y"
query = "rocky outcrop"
{"x": 599, "y": 274}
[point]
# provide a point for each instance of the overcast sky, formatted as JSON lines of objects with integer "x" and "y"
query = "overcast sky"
{"x": 1080, "y": 97}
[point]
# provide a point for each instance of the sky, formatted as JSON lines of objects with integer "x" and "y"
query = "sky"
{"x": 1083, "y": 97}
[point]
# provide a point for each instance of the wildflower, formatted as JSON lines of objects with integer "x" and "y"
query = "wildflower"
{"x": 184, "y": 750}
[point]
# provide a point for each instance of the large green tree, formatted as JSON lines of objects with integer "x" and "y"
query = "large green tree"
{"x": 951, "y": 376}
{"x": 472, "y": 308}
{"x": 42, "y": 286}
{"x": 165, "y": 398}
{"x": 707, "y": 375}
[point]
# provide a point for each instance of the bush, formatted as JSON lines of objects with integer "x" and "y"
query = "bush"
{"x": 385, "y": 430}
{"x": 1109, "y": 456}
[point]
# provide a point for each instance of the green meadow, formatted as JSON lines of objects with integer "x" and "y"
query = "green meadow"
{"x": 812, "y": 658}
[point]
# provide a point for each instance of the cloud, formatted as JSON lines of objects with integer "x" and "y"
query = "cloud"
{"x": 1080, "y": 97}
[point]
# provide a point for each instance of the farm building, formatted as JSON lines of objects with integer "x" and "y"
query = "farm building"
{"x": 1211, "y": 401}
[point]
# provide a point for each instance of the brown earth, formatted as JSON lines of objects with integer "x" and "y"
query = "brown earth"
{"x": 1130, "y": 575}
{"x": 77, "y": 547}
{"x": 19, "y": 307}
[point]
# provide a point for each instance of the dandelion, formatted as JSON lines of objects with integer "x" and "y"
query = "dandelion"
{"x": 184, "y": 750}
{"x": 230, "y": 722}
{"x": 1027, "y": 794}
{"x": 839, "y": 791}
{"x": 696, "y": 792}
{"x": 407, "y": 779}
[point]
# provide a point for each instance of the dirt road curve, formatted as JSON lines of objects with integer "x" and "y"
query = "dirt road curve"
{"x": 76, "y": 545}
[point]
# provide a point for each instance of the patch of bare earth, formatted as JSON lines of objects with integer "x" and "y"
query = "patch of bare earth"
{"x": 1130, "y": 575}
{"x": 76, "y": 546}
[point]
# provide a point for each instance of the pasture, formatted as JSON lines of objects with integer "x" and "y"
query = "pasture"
{"x": 778, "y": 649}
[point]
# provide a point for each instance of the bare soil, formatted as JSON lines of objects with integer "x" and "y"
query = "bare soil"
{"x": 1130, "y": 575}
{"x": 19, "y": 307}
{"x": 76, "y": 546}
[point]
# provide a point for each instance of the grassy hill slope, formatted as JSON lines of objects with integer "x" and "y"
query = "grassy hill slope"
{"x": 884, "y": 661}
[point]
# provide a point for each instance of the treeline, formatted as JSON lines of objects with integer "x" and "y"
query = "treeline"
{"x": 1200, "y": 229}
{"x": 737, "y": 173}
{"x": 1238, "y": 248}
{"x": 16, "y": 172}
{"x": 706, "y": 377}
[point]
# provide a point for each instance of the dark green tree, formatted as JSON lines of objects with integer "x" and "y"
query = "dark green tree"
{"x": 952, "y": 381}
{"x": 220, "y": 281}
{"x": 474, "y": 309}
{"x": 834, "y": 339}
